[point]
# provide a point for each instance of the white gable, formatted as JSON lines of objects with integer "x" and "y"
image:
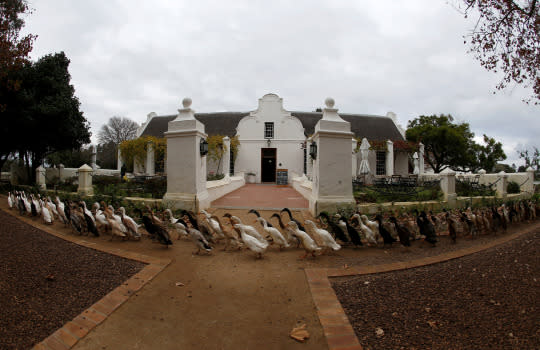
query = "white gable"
{"x": 286, "y": 126}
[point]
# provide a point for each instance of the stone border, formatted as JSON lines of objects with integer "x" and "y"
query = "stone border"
{"x": 336, "y": 327}
{"x": 73, "y": 331}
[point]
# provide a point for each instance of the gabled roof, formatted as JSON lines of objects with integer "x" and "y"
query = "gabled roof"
{"x": 371, "y": 127}
{"x": 224, "y": 123}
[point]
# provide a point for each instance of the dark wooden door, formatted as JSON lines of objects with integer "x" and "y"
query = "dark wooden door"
{"x": 268, "y": 165}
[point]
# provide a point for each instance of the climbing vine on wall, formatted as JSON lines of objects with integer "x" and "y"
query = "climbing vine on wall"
{"x": 216, "y": 148}
{"x": 135, "y": 150}
{"x": 406, "y": 146}
{"x": 378, "y": 145}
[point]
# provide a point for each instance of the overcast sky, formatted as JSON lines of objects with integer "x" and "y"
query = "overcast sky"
{"x": 130, "y": 58}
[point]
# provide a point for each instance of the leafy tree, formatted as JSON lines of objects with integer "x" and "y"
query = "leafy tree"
{"x": 487, "y": 156}
{"x": 506, "y": 38}
{"x": 46, "y": 112}
{"x": 71, "y": 158}
{"x": 117, "y": 130}
{"x": 446, "y": 144}
{"x": 107, "y": 155}
{"x": 14, "y": 51}
{"x": 531, "y": 158}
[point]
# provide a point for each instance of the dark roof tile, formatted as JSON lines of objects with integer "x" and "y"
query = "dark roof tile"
{"x": 225, "y": 123}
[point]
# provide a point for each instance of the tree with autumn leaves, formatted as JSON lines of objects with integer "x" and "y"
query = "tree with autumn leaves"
{"x": 39, "y": 110}
{"x": 506, "y": 39}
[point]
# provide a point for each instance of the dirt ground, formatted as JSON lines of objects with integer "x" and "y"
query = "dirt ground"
{"x": 229, "y": 299}
{"x": 499, "y": 286}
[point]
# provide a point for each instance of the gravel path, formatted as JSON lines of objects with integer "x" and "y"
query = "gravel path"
{"x": 488, "y": 300}
{"x": 46, "y": 281}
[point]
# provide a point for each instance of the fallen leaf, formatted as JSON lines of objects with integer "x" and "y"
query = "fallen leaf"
{"x": 379, "y": 332}
{"x": 428, "y": 309}
{"x": 366, "y": 282}
{"x": 300, "y": 333}
{"x": 179, "y": 284}
{"x": 50, "y": 277}
{"x": 433, "y": 324}
{"x": 345, "y": 266}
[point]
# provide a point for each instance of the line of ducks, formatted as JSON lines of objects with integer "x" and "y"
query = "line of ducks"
{"x": 327, "y": 233}
{"x": 100, "y": 219}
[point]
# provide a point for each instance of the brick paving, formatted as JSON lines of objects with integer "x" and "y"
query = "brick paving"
{"x": 262, "y": 196}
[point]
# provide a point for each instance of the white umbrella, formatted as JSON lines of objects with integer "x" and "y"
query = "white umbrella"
{"x": 363, "y": 169}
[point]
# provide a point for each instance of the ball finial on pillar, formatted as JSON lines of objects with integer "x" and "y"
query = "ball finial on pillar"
{"x": 186, "y": 102}
{"x": 329, "y": 102}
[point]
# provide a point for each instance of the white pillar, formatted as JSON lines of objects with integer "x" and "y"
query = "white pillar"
{"x": 416, "y": 169}
{"x": 389, "y": 158}
{"x": 448, "y": 186}
{"x": 502, "y": 184}
{"x": 85, "y": 181}
{"x": 421, "y": 158}
{"x": 309, "y": 160}
{"x": 354, "y": 158}
{"x": 150, "y": 159}
{"x": 40, "y": 177}
{"x": 529, "y": 185}
{"x": 186, "y": 168}
{"x": 120, "y": 160}
{"x": 332, "y": 168}
{"x": 94, "y": 157}
{"x": 226, "y": 160}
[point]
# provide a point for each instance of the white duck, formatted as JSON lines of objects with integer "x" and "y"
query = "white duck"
{"x": 309, "y": 244}
{"x": 368, "y": 233}
{"x": 277, "y": 237}
{"x": 10, "y": 200}
{"x": 254, "y": 244}
{"x": 130, "y": 224}
{"x": 60, "y": 208}
{"x": 46, "y": 214}
{"x": 101, "y": 219}
{"x": 213, "y": 224}
{"x": 324, "y": 236}
{"x": 177, "y": 224}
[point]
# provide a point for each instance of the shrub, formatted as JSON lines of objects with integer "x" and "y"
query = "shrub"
{"x": 213, "y": 177}
{"x": 513, "y": 187}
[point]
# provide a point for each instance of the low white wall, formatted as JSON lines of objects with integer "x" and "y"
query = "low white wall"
{"x": 303, "y": 186}
{"x": 66, "y": 173}
{"x": 523, "y": 179}
{"x": 219, "y": 188}
{"x": 62, "y": 173}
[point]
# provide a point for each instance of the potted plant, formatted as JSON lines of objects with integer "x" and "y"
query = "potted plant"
{"x": 250, "y": 177}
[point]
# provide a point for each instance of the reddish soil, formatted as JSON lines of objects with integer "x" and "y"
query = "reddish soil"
{"x": 488, "y": 300}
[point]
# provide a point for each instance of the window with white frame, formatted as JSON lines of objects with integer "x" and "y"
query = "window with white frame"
{"x": 268, "y": 130}
{"x": 380, "y": 167}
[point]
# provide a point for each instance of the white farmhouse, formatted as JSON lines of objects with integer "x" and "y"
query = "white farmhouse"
{"x": 273, "y": 138}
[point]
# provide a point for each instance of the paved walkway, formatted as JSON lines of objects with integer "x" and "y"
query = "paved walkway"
{"x": 262, "y": 196}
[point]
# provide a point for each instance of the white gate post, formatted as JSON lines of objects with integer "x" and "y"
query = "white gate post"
{"x": 186, "y": 166}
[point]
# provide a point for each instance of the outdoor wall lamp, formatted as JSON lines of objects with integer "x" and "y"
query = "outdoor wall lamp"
{"x": 203, "y": 147}
{"x": 313, "y": 150}
{"x": 269, "y": 142}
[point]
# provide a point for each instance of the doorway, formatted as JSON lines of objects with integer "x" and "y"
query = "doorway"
{"x": 268, "y": 165}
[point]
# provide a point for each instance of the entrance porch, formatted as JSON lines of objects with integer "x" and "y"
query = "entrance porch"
{"x": 262, "y": 196}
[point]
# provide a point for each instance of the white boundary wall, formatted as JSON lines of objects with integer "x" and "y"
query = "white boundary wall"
{"x": 219, "y": 188}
